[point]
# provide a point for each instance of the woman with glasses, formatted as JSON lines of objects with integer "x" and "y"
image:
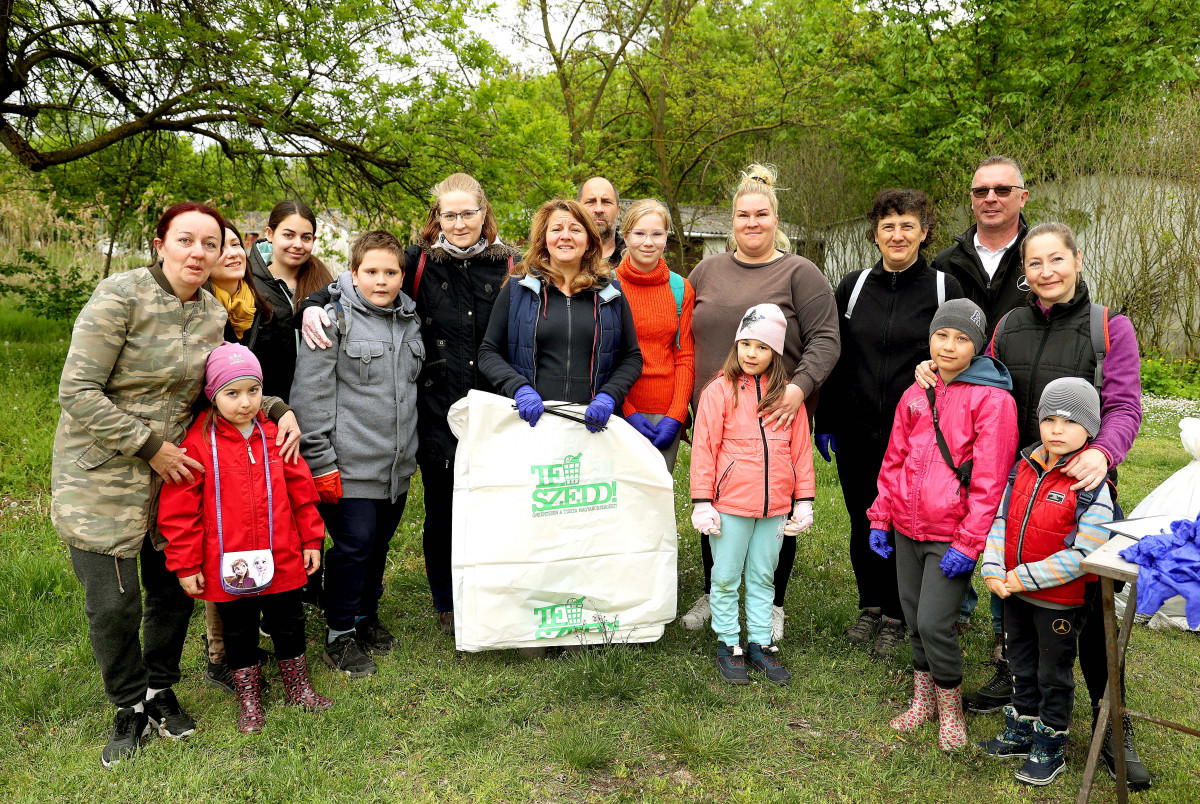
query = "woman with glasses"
{"x": 662, "y": 304}
{"x": 454, "y": 274}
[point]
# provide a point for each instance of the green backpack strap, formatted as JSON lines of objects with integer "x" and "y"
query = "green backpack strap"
{"x": 676, "y": 282}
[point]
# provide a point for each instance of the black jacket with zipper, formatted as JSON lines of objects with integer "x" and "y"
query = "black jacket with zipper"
{"x": 882, "y": 342}
{"x": 275, "y": 340}
{"x": 1005, "y": 291}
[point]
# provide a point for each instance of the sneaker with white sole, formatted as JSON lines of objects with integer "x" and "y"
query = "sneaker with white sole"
{"x": 777, "y": 618}
{"x": 130, "y": 727}
{"x": 697, "y": 615}
{"x": 168, "y": 717}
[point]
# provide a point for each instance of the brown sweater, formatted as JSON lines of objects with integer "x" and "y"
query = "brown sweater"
{"x": 726, "y": 287}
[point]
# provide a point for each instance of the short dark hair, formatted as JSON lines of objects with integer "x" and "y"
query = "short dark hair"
{"x": 372, "y": 240}
{"x": 898, "y": 201}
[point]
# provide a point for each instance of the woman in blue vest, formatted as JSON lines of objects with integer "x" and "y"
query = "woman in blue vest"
{"x": 561, "y": 329}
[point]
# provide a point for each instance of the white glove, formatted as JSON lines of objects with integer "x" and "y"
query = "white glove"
{"x": 706, "y": 519}
{"x": 802, "y": 519}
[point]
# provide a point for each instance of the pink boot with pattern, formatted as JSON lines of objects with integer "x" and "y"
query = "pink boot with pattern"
{"x": 952, "y": 727}
{"x": 924, "y": 704}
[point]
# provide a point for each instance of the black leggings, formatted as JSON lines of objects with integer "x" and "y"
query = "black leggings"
{"x": 282, "y": 618}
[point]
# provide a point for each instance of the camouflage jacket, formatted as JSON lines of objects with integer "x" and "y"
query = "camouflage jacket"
{"x": 135, "y": 366}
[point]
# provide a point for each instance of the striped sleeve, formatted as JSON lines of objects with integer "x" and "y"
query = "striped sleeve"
{"x": 993, "y": 553}
{"x": 1064, "y": 566}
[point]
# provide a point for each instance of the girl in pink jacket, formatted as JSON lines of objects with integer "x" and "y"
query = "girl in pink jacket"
{"x": 747, "y": 480}
{"x": 943, "y": 475}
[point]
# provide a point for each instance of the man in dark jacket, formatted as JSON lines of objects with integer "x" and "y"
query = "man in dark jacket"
{"x": 599, "y": 197}
{"x": 986, "y": 259}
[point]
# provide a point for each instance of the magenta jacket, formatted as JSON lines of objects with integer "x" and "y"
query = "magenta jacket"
{"x": 919, "y": 495}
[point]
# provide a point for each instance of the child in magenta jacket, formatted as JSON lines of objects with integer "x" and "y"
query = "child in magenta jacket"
{"x": 941, "y": 513}
{"x": 245, "y": 532}
{"x": 746, "y": 481}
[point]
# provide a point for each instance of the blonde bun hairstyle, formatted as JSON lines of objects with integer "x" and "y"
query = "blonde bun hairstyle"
{"x": 759, "y": 180}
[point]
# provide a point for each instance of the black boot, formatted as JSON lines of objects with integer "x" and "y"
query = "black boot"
{"x": 1136, "y": 775}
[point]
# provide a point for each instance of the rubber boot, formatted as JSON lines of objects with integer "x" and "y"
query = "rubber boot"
{"x": 297, "y": 688}
{"x": 924, "y": 704}
{"x": 952, "y": 726}
{"x": 247, "y": 686}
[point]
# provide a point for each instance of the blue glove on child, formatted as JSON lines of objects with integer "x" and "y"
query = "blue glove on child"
{"x": 598, "y": 412}
{"x": 529, "y": 404}
{"x": 955, "y": 563}
{"x": 642, "y": 425}
{"x": 825, "y": 443}
{"x": 668, "y": 429}
{"x": 879, "y": 543}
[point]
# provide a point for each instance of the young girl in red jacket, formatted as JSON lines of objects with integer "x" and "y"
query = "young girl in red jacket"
{"x": 746, "y": 481}
{"x": 248, "y": 508}
{"x": 942, "y": 478}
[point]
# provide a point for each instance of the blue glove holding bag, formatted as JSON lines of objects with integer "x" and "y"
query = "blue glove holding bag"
{"x": 529, "y": 404}
{"x": 879, "y": 543}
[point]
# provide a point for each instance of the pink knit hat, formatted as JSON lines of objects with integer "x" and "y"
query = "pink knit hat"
{"x": 229, "y": 362}
{"x": 764, "y": 322}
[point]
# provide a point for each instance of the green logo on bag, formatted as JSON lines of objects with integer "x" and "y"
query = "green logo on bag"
{"x": 567, "y": 618}
{"x": 559, "y": 491}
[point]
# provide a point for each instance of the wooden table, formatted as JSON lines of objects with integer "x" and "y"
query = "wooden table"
{"x": 1107, "y": 563}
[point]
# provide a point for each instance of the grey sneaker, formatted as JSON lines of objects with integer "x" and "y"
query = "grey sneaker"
{"x": 891, "y": 636}
{"x": 863, "y": 630}
{"x": 130, "y": 727}
{"x": 697, "y": 615}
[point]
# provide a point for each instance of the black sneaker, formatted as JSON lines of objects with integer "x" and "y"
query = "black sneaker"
{"x": 129, "y": 728}
{"x": 994, "y": 695}
{"x": 732, "y": 663}
{"x": 345, "y": 656}
{"x": 373, "y": 638}
{"x": 763, "y": 658}
{"x": 168, "y": 716}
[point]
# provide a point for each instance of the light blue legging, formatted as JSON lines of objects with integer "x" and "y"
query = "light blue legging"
{"x": 753, "y": 545}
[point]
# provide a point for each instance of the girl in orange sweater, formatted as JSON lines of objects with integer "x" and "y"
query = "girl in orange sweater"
{"x": 662, "y": 304}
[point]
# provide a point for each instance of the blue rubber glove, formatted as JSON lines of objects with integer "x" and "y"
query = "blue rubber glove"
{"x": 598, "y": 412}
{"x": 955, "y": 563}
{"x": 668, "y": 429}
{"x": 641, "y": 424}
{"x": 825, "y": 443}
{"x": 529, "y": 404}
{"x": 879, "y": 543}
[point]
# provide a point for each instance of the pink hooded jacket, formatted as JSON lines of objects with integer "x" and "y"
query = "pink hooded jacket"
{"x": 919, "y": 495}
{"x": 741, "y": 467}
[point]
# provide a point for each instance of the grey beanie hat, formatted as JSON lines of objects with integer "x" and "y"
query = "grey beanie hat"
{"x": 1074, "y": 399}
{"x": 965, "y": 316}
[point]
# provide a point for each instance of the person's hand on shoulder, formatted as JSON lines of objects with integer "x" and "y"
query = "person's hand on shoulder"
{"x": 313, "y": 328}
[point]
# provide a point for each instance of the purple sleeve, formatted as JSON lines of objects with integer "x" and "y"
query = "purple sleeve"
{"x": 1120, "y": 393}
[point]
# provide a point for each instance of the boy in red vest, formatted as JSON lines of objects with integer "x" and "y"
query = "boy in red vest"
{"x": 1041, "y": 533}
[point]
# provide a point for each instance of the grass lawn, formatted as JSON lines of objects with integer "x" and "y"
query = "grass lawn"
{"x": 648, "y": 723}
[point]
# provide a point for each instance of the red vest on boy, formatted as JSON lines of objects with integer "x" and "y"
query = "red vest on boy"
{"x": 1043, "y": 513}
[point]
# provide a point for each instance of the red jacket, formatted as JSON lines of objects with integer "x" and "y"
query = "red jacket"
{"x": 740, "y": 466}
{"x": 187, "y": 513}
{"x": 918, "y": 493}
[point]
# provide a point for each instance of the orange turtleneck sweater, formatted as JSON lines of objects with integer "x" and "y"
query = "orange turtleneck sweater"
{"x": 667, "y": 373}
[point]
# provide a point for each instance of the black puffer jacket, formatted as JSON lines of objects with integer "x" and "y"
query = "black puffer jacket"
{"x": 1005, "y": 291}
{"x": 454, "y": 303}
{"x": 882, "y": 342}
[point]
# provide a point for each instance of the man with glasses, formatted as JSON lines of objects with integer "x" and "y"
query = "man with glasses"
{"x": 986, "y": 259}
{"x": 600, "y": 199}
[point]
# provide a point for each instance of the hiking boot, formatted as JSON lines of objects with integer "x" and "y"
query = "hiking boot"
{"x": 446, "y": 621}
{"x": 924, "y": 704}
{"x": 863, "y": 630}
{"x": 891, "y": 636}
{"x": 993, "y": 695}
{"x": 130, "y": 727}
{"x": 247, "y": 684}
{"x": 731, "y": 661}
{"x": 1047, "y": 758}
{"x": 168, "y": 717}
{"x": 764, "y": 659}
{"x": 697, "y": 615}
{"x": 297, "y": 687}
{"x": 777, "y": 618}
{"x": 373, "y": 638}
{"x": 1017, "y": 738}
{"x": 345, "y": 656}
{"x": 1136, "y": 775}
{"x": 952, "y": 727}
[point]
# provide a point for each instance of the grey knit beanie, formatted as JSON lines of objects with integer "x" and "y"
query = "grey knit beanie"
{"x": 1074, "y": 399}
{"x": 965, "y": 316}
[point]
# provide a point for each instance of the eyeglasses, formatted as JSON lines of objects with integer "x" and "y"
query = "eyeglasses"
{"x": 638, "y": 236}
{"x": 467, "y": 216}
{"x": 1002, "y": 191}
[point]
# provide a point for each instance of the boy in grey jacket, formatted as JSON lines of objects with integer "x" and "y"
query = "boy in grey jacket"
{"x": 356, "y": 404}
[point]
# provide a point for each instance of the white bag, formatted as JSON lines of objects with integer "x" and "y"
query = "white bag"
{"x": 561, "y": 536}
{"x": 1178, "y": 496}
